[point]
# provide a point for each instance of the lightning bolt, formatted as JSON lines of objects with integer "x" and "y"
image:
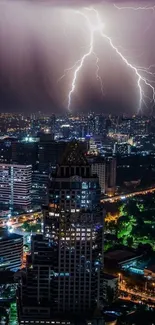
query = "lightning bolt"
{"x": 80, "y": 62}
{"x": 135, "y": 8}
{"x": 67, "y": 70}
{"x": 139, "y": 72}
{"x": 140, "y": 79}
{"x": 98, "y": 77}
{"x": 152, "y": 8}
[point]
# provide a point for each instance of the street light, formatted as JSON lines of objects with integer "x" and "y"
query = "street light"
{"x": 119, "y": 276}
{"x": 153, "y": 286}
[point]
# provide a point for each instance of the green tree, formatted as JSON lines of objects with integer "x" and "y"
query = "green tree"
{"x": 26, "y": 226}
{"x": 131, "y": 208}
{"x": 130, "y": 241}
{"x": 124, "y": 226}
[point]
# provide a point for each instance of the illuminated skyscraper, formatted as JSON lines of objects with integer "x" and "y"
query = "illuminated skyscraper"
{"x": 105, "y": 168}
{"x": 99, "y": 167}
{"x": 110, "y": 175}
{"x": 15, "y": 185}
{"x": 75, "y": 221}
{"x": 66, "y": 263}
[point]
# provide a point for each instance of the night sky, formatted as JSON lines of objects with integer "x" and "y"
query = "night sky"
{"x": 39, "y": 40}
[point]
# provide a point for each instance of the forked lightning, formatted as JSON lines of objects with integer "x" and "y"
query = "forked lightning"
{"x": 142, "y": 74}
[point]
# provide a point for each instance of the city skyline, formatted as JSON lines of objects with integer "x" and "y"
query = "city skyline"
{"x": 77, "y": 193}
{"x": 37, "y": 48}
{"x": 77, "y": 162}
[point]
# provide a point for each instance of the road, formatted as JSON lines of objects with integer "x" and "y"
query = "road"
{"x": 139, "y": 294}
{"x": 124, "y": 196}
{"x": 20, "y": 218}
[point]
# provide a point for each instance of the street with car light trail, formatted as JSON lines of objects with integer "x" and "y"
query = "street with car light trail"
{"x": 128, "y": 195}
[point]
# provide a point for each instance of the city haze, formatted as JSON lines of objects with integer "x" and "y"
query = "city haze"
{"x": 39, "y": 40}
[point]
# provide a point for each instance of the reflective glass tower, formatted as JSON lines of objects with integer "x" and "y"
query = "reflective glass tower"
{"x": 75, "y": 222}
{"x": 67, "y": 261}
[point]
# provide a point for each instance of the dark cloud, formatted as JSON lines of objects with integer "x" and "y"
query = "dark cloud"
{"x": 39, "y": 39}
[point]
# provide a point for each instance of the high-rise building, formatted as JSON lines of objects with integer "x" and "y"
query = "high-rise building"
{"x": 110, "y": 173}
{"x": 6, "y": 150}
{"x": 52, "y": 123}
{"x": 15, "y": 185}
{"x": 25, "y": 152}
{"x": 99, "y": 168}
{"x": 100, "y": 125}
{"x": 105, "y": 168}
{"x": 40, "y": 188}
{"x": 49, "y": 152}
{"x": 63, "y": 281}
{"x": 110, "y": 282}
{"x": 11, "y": 251}
{"x": 91, "y": 124}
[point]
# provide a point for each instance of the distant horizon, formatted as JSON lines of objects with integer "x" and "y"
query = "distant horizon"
{"x": 124, "y": 115}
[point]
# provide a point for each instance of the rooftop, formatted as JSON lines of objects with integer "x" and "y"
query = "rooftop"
{"x": 151, "y": 268}
{"x": 5, "y": 235}
{"x": 108, "y": 276}
{"x": 74, "y": 156}
{"x": 120, "y": 255}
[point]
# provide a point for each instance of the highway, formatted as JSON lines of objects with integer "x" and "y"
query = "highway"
{"x": 124, "y": 196}
{"x": 141, "y": 295}
{"x": 19, "y": 219}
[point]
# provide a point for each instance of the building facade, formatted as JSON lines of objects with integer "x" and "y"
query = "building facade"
{"x": 99, "y": 168}
{"x": 110, "y": 173}
{"x": 64, "y": 275}
{"x": 49, "y": 152}
{"x": 40, "y": 188}
{"x": 105, "y": 169}
{"x": 25, "y": 152}
{"x": 15, "y": 185}
{"x": 110, "y": 287}
{"x": 122, "y": 149}
{"x": 11, "y": 251}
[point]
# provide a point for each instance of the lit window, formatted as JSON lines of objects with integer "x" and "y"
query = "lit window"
{"x": 84, "y": 185}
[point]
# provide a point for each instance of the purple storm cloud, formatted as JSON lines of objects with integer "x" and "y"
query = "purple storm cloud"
{"x": 40, "y": 39}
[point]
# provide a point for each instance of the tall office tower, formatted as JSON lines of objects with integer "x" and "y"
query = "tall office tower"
{"x": 63, "y": 280}
{"x": 40, "y": 188}
{"x": 11, "y": 251}
{"x": 25, "y": 152}
{"x": 15, "y": 185}
{"x": 110, "y": 174}
{"x": 140, "y": 125}
{"x": 6, "y": 150}
{"x": 92, "y": 147}
{"x": 52, "y": 123}
{"x": 100, "y": 125}
{"x": 91, "y": 124}
{"x": 49, "y": 152}
{"x": 105, "y": 168}
{"x": 98, "y": 167}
